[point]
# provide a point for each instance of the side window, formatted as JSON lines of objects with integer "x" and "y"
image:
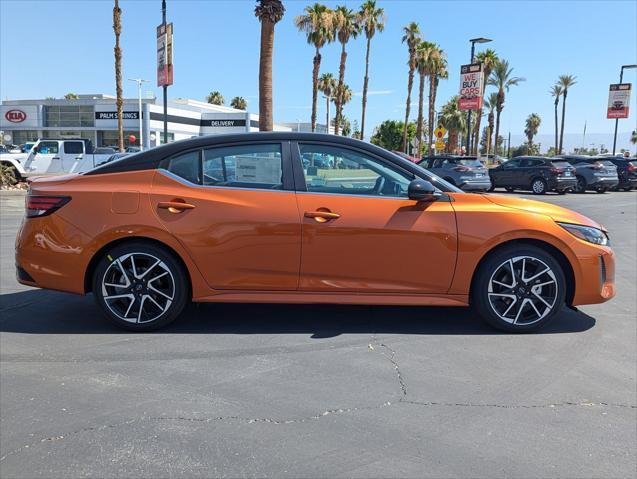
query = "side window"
{"x": 185, "y": 165}
{"x": 248, "y": 166}
{"x": 536, "y": 162}
{"x": 511, "y": 164}
{"x": 48, "y": 147}
{"x": 73, "y": 147}
{"x": 337, "y": 170}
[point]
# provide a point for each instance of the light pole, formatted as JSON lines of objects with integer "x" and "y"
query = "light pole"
{"x": 139, "y": 82}
{"x": 327, "y": 119}
{"x": 621, "y": 77}
{"x": 473, "y": 49}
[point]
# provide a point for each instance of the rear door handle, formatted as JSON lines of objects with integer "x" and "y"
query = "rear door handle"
{"x": 175, "y": 206}
{"x": 322, "y": 216}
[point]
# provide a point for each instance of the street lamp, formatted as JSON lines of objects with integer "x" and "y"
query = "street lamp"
{"x": 473, "y": 48}
{"x": 327, "y": 115}
{"x": 621, "y": 77}
{"x": 139, "y": 82}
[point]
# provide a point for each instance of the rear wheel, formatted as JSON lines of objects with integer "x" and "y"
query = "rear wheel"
{"x": 581, "y": 185}
{"x": 601, "y": 190}
{"x": 509, "y": 189}
{"x": 519, "y": 289}
{"x": 140, "y": 286}
{"x": 538, "y": 186}
{"x": 561, "y": 192}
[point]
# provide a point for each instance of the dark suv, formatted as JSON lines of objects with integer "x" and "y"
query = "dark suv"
{"x": 535, "y": 173}
{"x": 626, "y": 171}
{"x": 593, "y": 173}
{"x": 466, "y": 172}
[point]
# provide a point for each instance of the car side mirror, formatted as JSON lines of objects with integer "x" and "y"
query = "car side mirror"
{"x": 422, "y": 190}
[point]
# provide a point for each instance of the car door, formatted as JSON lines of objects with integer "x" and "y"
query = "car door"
{"x": 362, "y": 234}
{"x": 71, "y": 155}
{"x": 45, "y": 158}
{"x": 505, "y": 175}
{"x": 234, "y": 210}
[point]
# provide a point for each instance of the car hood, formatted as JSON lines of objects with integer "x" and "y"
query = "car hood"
{"x": 557, "y": 213}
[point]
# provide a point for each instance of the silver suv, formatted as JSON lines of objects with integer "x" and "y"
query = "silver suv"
{"x": 466, "y": 172}
{"x": 592, "y": 173}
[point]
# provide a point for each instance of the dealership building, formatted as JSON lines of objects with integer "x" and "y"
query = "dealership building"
{"x": 95, "y": 117}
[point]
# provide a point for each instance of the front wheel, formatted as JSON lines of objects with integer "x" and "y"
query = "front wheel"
{"x": 140, "y": 286}
{"x": 581, "y": 185}
{"x": 518, "y": 289}
{"x": 538, "y": 186}
{"x": 509, "y": 189}
{"x": 601, "y": 190}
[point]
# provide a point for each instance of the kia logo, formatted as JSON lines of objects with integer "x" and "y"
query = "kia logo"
{"x": 15, "y": 116}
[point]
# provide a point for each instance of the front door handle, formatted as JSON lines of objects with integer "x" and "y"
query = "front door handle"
{"x": 175, "y": 206}
{"x": 322, "y": 216}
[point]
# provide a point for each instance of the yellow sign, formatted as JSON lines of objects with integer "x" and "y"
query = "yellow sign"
{"x": 440, "y": 132}
{"x": 440, "y": 145}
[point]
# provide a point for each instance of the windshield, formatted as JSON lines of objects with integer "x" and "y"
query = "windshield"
{"x": 561, "y": 164}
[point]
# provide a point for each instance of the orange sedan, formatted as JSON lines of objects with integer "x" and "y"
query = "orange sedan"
{"x": 302, "y": 218}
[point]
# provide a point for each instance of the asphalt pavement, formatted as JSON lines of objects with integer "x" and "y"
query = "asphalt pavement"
{"x": 236, "y": 390}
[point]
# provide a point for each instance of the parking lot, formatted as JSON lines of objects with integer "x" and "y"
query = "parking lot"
{"x": 313, "y": 391}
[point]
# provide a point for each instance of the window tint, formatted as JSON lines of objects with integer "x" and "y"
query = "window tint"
{"x": 530, "y": 163}
{"x": 185, "y": 166}
{"x": 333, "y": 169}
{"x": 560, "y": 164}
{"x": 512, "y": 164}
{"x": 73, "y": 147}
{"x": 470, "y": 162}
{"x": 48, "y": 147}
{"x": 249, "y": 166}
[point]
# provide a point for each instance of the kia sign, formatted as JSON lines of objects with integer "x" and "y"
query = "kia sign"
{"x": 471, "y": 86}
{"x": 15, "y": 116}
{"x": 618, "y": 100}
{"x": 165, "y": 54}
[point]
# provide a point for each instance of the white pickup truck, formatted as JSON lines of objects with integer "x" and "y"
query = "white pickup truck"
{"x": 55, "y": 157}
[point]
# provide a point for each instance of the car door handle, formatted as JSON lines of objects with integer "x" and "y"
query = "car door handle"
{"x": 322, "y": 216}
{"x": 55, "y": 158}
{"x": 175, "y": 206}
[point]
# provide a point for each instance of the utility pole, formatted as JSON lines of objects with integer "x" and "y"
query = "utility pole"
{"x": 165, "y": 87}
{"x": 139, "y": 82}
{"x": 621, "y": 77}
{"x": 509, "y": 145}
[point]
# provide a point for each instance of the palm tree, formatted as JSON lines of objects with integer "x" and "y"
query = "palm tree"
{"x": 532, "y": 125}
{"x": 347, "y": 26}
{"x": 501, "y": 79}
{"x": 239, "y": 103}
{"x": 215, "y": 98}
{"x": 633, "y": 137}
{"x": 317, "y": 24}
{"x": 411, "y": 36}
{"x": 372, "y": 19}
{"x": 269, "y": 13}
{"x": 117, "y": 28}
{"x": 346, "y": 129}
{"x": 437, "y": 70}
{"x": 424, "y": 51}
{"x": 74, "y": 96}
{"x": 327, "y": 85}
{"x": 565, "y": 81}
{"x": 488, "y": 58}
{"x": 490, "y": 103}
{"x": 455, "y": 121}
{"x": 556, "y": 91}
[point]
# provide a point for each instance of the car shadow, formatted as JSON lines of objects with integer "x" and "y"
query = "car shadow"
{"x": 46, "y": 312}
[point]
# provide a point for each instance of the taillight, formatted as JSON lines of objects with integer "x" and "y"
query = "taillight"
{"x": 38, "y": 206}
{"x": 461, "y": 168}
{"x": 598, "y": 166}
{"x": 631, "y": 167}
{"x": 557, "y": 171}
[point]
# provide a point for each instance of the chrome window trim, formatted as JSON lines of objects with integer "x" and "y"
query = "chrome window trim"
{"x": 185, "y": 182}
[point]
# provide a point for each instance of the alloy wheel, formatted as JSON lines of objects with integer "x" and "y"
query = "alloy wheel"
{"x": 522, "y": 290}
{"x": 538, "y": 186}
{"x": 138, "y": 287}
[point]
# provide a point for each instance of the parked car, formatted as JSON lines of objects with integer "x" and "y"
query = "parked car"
{"x": 626, "y": 172}
{"x": 535, "y": 173}
{"x": 4, "y": 149}
{"x": 132, "y": 149}
{"x": 465, "y": 172}
{"x": 104, "y": 150}
{"x": 26, "y": 147}
{"x": 152, "y": 231}
{"x": 592, "y": 173}
{"x": 59, "y": 156}
{"x": 113, "y": 157}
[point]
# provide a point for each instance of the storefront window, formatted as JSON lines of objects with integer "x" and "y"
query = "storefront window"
{"x": 111, "y": 138}
{"x": 69, "y": 116}
{"x": 22, "y": 136}
{"x": 171, "y": 138}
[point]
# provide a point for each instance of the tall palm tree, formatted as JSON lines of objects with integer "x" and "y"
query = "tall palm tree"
{"x": 327, "y": 85}
{"x": 488, "y": 58}
{"x": 239, "y": 103}
{"x": 317, "y": 24}
{"x": 347, "y": 26}
{"x": 411, "y": 36}
{"x": 501, "y": 79}
{"x": 454, "y": 120}
{"x": 565, "y": 81}
{"x": 424, "y": 51}
{"x": 372, "y": 19}
{"x": 269, "y": 12}
{"x": 531, "y": 127}
{"x": 556, "y": 92}
{"x": 490, "y": 103}
{"x": 346, "y": 128}
{"x": 215, "y": 98}
{"x": 437, "y": 70}
{"x": 117, "y": 28}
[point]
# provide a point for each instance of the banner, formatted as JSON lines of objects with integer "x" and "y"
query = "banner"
{"x": 618, "y": 100}
{"x": 165, "y": 54}
{"x": 471, "y": 78}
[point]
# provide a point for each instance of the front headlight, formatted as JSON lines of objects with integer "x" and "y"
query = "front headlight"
{"x": 587, "y": 233}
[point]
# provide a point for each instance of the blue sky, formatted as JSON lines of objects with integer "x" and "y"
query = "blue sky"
{"x": 48, "y": 48}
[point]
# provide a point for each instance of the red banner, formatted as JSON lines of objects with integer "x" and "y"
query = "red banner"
{"x": 471, "y": 78}
{"x": 618, "y": 100}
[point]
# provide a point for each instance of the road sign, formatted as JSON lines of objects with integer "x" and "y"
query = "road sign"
{"x": 471, "y": 78}
{"x": 440, "y": 132}
{"x": 440, "y": 145}
{"x": 618, "y": 100}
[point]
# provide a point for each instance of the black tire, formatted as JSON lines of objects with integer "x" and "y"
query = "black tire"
{"x": 627, "y": 189}
{"x": 538, "y": 186}
{"x": 581, "y": 185}
{"x": 509, "y": 189}
{"x": 561, "y": 192}
{"x": 601, "y": 191}
{"x": 491, "y": 188}
{"x": 157, "y": 298}
{"x": 486, "y": 302}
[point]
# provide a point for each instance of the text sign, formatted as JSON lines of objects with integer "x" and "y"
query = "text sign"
{"x": 112, "y": 115}
{"x": 15, "y": 116}
{"x": 165, "y": 54}
{"x": 471, "y": 78}
{"x": 618, "y": 100}
{"x": 223, "y": 123}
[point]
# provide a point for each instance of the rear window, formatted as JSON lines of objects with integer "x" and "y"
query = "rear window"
{"x": 561, "y": 164}
{"x": 605, "y": 163}
{"x": 470, "y": 162}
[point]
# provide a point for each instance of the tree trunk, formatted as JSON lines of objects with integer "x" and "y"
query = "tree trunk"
{"x": 315, "y": 74}
{"x": 498, "y": 110}
{"x": 339, "y": 90}
{"x": 433, "y": 86}
{"x": 265, "y": 75}
{"x": 421, "y": 100}
{"x": 365, "y": 83}
{"x": 476, "y": 133}
{"x": 489, "y": 143}
{"x": 557, "y": 100}
{"x": 327, "y": 115}
{"x": 117, "y": 28}
{"x": 410, "y": 84}
{"x": 452, "y": 144}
